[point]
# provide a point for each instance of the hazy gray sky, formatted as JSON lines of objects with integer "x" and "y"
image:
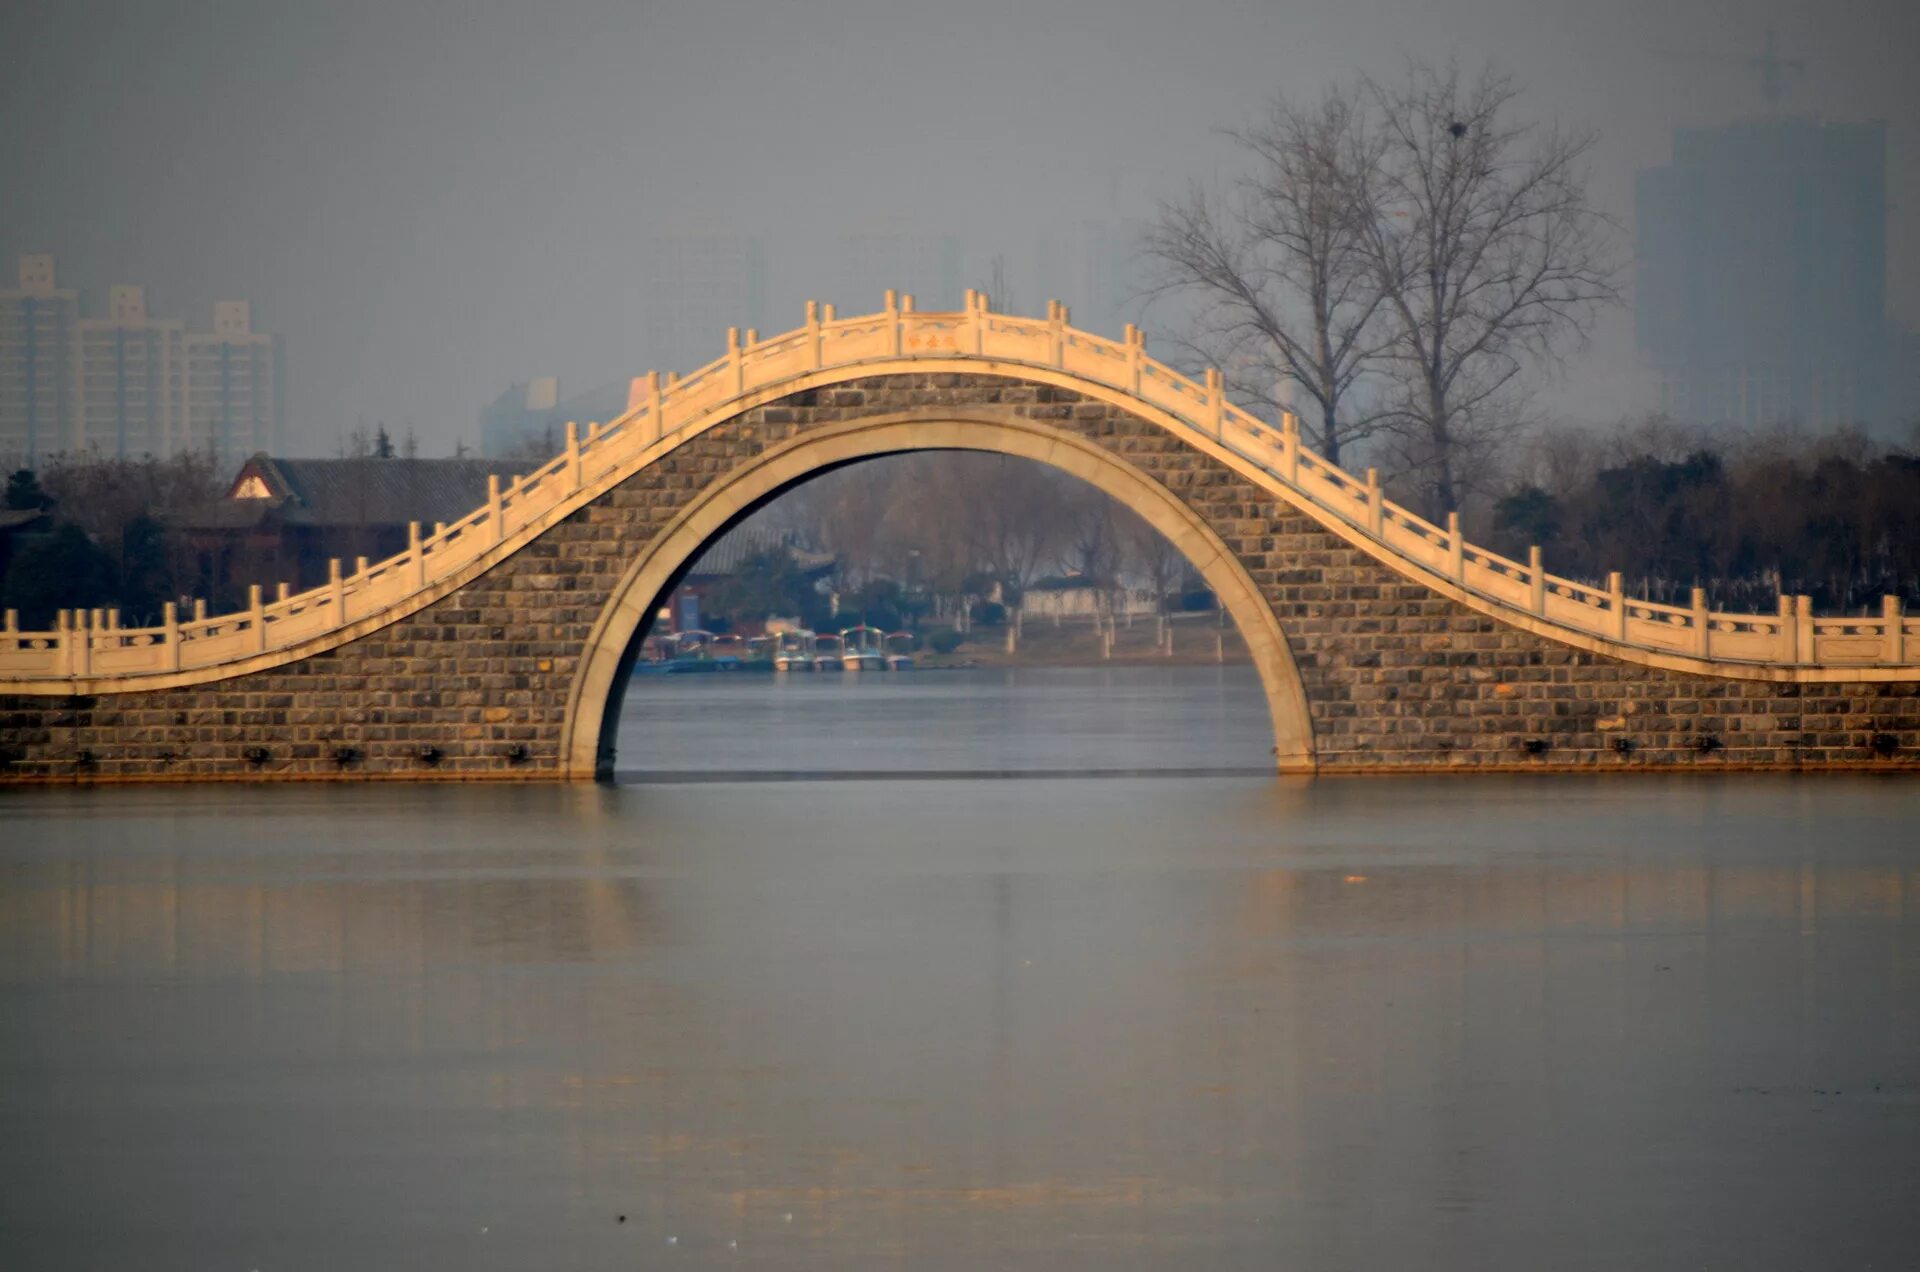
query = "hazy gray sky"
{"x": 432, "y": 200}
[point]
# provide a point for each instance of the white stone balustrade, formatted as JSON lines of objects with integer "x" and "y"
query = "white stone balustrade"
{"x": 663, "y": 414}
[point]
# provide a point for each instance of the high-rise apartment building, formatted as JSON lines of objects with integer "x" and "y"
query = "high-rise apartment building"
{"x": 691, "y": 288}
{"x": 1094, "y": 268}
{"x": 132, "y": 383}
{"x": 1761, "y": 290}
{"x": 126, "y": 384}
{"x": 234, "y": 388}
{"x": 38, "y": 322}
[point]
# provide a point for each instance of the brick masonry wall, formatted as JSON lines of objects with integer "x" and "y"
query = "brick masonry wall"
{"x": 1397, "y": 676}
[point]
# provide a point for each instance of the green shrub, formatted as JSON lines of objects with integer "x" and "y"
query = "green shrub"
{"x": 946, "y": 640}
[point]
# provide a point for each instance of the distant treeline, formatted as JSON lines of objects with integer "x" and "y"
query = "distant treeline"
{"x": 1748, "y": 517}
{"x": 113, "y": 535}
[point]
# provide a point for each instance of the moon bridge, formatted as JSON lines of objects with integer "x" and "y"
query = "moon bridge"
{"x": 1383, "y": 640}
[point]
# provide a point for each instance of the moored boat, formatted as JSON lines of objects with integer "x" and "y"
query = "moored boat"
{"x": 829, "y": 652}
{"x": 863, "y": 648}
{"x": 793, "y": 651}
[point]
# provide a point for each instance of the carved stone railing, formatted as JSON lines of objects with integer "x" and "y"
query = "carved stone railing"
{"x": 92, "y": 647}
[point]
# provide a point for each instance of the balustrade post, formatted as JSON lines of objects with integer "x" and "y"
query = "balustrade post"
{"x": 1617, "y": 604}
{"x": 337, "y": 587}
{"x": 1057, "y": 344}
{"x": 1536, "y": 581}
{"x": 11, "y": 621}
{"x": 574, "y": 481}
{"x": 893, "y": 323}
{"x": 83, "y": 644}
{"x": 1803, "y": 629}
{"x": 282, "y": 591}
{"x": 113, "y": 619}
{"x": 654, "y": 418}
{"x": 257, "y": 612}
{"x": 1893, "y": 620}
{"x": 1456, "y": 550}
{"x": 1216, "y": 403}
{"x": 1134, "y": 342}
{"x": 736, "y": 365}
{"x": 199, "y": 609}
{"x": 976, "y": 323}
{"x": 1290, "y": 446}
{"x": 416, "y": 559}
{"x": 360, "y": 568}
{"x": 1376, "y": 504}
{"x": 1702, "y": 624}
{"x": 1788, "y": 650}
{"x": 170, "y": 619}
{"x": 494, "y": 519}
{"x": 813, "y": 335}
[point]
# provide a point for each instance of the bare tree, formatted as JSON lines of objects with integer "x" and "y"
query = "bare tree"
{"x": 1491, "y": 259}
{"x": 1092, "y": 543}
{"x": 1153, "y": 554}
{"x": 1017, "y": 516}
{"x": 1276, "y": 267}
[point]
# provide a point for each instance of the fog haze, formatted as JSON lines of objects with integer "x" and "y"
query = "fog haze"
{"x": 432, "y": 201}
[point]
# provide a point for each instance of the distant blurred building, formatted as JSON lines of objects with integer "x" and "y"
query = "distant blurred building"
{"x": 133, "y": 374}
{"x": 127, "y": 384}
{"x": 1903, "y": 383}
{"x": 38, "y": 363}
{"x": 691, "y": 288}
{"x": 531, "y": 418}
{"x": 525, "y": 414}
{"x": 1095, "y": 268}
{"x": 1761, "y": 291}
{"x": 235, "y": 386}
{"x": 929, "y": 267}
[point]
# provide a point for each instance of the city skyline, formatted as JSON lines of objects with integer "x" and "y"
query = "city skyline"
{"x": 77, "y": 375}
{"x": 416, "y": 282}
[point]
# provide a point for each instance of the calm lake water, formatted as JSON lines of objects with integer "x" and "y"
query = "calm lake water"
{"x": 838, "y": 995}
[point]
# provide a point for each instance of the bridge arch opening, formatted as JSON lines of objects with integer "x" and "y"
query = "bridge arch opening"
{"x": 613, "y": 645}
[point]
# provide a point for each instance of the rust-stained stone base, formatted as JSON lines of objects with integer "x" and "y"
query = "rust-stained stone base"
{"x": 1397, "y": 677}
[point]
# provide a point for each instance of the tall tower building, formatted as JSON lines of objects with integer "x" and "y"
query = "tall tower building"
{"x": 692, "y": 287}
{"x": 1094, "y": 268}
{"x": 235, "y": 386}
{"x": 1762, "y": 274}
{"x": 38, "y": 371}
{"x": 132, "y": 385}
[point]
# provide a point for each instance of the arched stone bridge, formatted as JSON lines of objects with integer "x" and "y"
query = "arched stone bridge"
{"x": 498, "y": 646}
